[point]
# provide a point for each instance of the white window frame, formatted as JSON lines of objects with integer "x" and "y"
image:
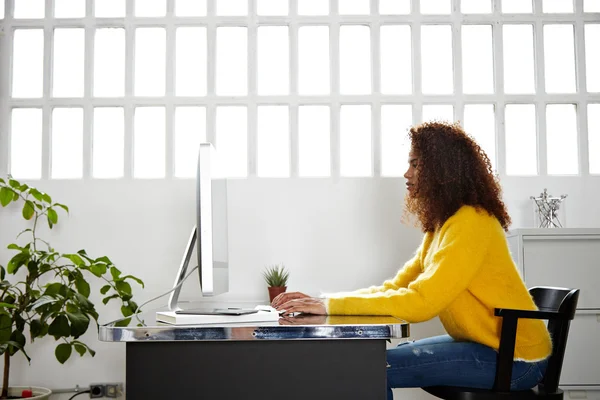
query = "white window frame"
{"x": 374, "y": 20}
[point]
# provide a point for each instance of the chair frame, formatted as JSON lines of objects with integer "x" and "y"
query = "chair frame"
{"x": 558, "y": 306}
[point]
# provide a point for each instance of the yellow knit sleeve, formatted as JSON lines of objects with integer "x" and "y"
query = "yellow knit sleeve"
{"x": 463, "y": 242}
{"x": 408, "y": 273}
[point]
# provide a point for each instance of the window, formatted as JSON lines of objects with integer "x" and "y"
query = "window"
{"x": 308, "y": 88}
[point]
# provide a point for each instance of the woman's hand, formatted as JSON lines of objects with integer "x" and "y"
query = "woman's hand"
{"x": 285, "y": 297}
{"x": 306, "y": 305}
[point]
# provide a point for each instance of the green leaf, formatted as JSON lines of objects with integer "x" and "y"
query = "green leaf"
{"x": 46, "y": 198}
{"x": 77, "y": 342}
{"x": 104, "y": 289}
{"x": 60, "y": 327}
{"x": 14, "y": 183}
{"x": 75, "y": 259}
{"x": 123, "y": 287}
{"x": 52, "y": 216}
{"x": 16, "y": 262}
{"x": 63, "y": 352}
{"x": 115, "y": 273}
{"x": 123, "y": 322}
{"x": 98, "y": 269}
{"x": 28, "y": 210}
{"x": 126, "y": 311}
{"x": 13, "y": 246}
{"x": 82, "y": 286}
{"x": 6, "y": 196}
{"x": 103, "y": 259}
{"x": 19, "y": 338}
{"x": 36, "y": 194}
{"x": 35, "y": 328}
{"x": 6, "y": 305}
{"x": 60, "y": 205}
{"x": 79, "y": 348}
{"x": 2, "y": 273}
{"x": 45, "y": 299}
{"x": 107, "y": 299}
{"x": 79, "y": 323}
{"x": 55, "y": 288}
{"x": 138, "y": 280}
{"x": 5, "y": 327}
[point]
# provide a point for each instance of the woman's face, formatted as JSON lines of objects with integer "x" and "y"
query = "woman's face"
{"x": 412, "y": 173}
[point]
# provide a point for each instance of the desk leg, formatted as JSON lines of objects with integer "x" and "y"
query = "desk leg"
{"x": 252, "y": 370}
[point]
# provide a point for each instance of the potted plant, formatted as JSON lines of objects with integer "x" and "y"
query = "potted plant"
{"x": 276, "y": 277}
{"x": 48, "y": 293}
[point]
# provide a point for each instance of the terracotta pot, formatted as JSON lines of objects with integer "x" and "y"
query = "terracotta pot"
{"x": 275, "y": 290}
{"x": 39, "y": 393}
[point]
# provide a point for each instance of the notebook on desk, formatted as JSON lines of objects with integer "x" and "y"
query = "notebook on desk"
{"x": 217, "y": 316}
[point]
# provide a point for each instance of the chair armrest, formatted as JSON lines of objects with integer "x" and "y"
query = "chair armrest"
{"x": 529, "y": 314}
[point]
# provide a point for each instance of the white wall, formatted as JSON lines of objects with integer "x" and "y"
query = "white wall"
{"x": 333, "y": 234}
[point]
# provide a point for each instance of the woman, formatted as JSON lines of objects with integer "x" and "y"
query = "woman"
{"x": 461, "y": 272}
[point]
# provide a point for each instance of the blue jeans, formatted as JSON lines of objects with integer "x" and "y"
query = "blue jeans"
{"x": 441, "y": 360}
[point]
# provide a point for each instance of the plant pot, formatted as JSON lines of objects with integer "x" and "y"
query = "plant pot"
{"x": 39, "y": 393}
{"x": 275, "y": 290}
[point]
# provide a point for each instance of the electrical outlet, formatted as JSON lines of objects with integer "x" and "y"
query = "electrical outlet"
{"x": 109, "y": 390}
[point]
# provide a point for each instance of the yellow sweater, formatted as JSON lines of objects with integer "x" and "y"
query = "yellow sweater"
{"x": 461, "y": 272}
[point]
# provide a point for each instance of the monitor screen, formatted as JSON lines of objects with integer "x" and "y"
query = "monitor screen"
{"x": 209, "y": 235}
{"x": 211, "y": 223}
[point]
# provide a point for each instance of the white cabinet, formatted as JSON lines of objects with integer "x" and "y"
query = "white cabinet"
{"x": 567, "y": 257}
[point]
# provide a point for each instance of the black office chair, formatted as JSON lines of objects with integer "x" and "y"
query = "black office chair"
{"x": 557, "y": 305}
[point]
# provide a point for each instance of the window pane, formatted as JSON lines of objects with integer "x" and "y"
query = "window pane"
{"x": 149, "y": 142}
{"x": 273, "y": 60}
{"x": 476, "y": 6}
{"x": 26, "y": 143}
{"x": 67, "y": 143}
{"x": 232, "y": 140}
{"x": 435, "y": 6}
{"x": 313, "y": 7}
{"x": 559, "y": 58}
{"x": 478, "y": 61}
{"x": 396, "y": 59}
{"x": 314, "y": 155}
{"x": 28, "y": 63}
{"x": 190, "y": 8}
{"x": 68, "y": 62}
{"x": 232, "y": 7}
{"x": 438, "y": 112}
{"x": 592, "y": 57}
{"x": 190, "y": 50}
{"x": 232, "y": 61}
{"x": 436, "y": 59}
{"x": 594, "y": 137}
{"x": 190, "y": 131}
{"x": 273, "y": 141}
{"x": 521, "y": 139}
{"x": 480, "y": 124}
{"x": 150, "y": 8}
{"x": 518, "y": 59}
{"x": 108, "y": 142}
{"x": 355, "y": 140}
{"x": 150, "y": 62}
{"x": 355, "y": 59}
{"x": 353, "y": 7}
{"x": 109, "y": 8}
{"x": 272, "y": 7}
{"x": 69, "y": 8}
{"x": 391, "y": 7}
{"x": 313, "y": 60}
{"x": 561, "y": 139}
{"x": 557, "y": 6}
{"x": 29, "y": 9}
{"x": 517, "y": 6}
{"x": 591, "y": 5}
{"x": 109, "y": 62}
{"x": 396, "y": 119}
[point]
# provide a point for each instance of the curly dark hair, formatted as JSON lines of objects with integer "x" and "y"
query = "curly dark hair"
{"x": 453, "y": 171}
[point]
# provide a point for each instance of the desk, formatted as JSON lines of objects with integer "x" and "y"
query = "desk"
{"x": 306, "y": 357}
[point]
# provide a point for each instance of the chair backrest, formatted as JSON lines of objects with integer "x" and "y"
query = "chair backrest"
{"x": 563, "y": 301}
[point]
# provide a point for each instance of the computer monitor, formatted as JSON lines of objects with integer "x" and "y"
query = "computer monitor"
{"x": 209, "y": 236}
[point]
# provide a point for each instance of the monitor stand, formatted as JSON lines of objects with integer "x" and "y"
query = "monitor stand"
{"x": 174, "y": 298}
